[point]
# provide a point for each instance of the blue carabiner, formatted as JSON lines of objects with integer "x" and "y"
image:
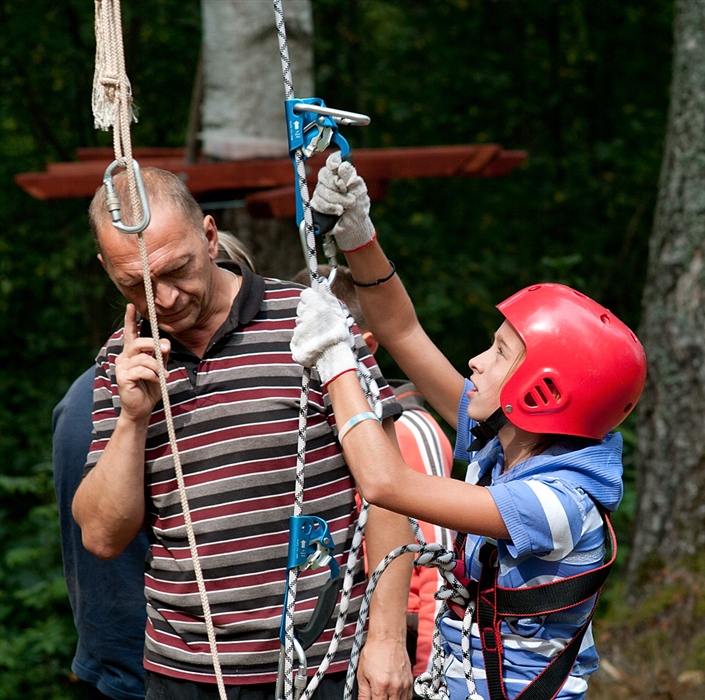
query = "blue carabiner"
{"x": 312, "y": 127}
{"x": 311, "y": 547}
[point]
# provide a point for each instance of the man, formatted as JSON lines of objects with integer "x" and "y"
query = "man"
{"x": 235, "y": 391}
{"x": 108, "y": 658}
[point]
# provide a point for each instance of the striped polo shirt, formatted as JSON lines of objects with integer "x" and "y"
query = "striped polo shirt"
{"x": 236, "y": 419}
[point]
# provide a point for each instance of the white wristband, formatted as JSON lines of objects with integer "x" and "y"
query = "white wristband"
{"x": 367, "y": 415}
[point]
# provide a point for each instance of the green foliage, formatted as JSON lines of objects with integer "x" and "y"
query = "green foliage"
{"x": 570, "y": 82}
{"x": 581, "y": 85}
{"x": 36, "y": 629}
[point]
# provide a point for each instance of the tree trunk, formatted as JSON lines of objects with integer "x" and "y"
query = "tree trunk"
{"x": 670, "y": 521}
{"x": 242, "y": 115}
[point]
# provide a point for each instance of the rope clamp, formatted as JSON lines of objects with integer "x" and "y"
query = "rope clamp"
{"x": 311, "y": 547}
{"x": 312, "y": 127}
{"x": 310, "y": 544}
{"x": 112, "y": 201}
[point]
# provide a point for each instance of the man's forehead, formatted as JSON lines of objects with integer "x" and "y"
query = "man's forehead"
{"x": 167, "y": 224}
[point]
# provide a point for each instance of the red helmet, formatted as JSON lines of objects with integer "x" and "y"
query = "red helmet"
{"x": 584, "y": 370}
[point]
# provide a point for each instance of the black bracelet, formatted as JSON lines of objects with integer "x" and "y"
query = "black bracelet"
{"x": 381, "y": 280}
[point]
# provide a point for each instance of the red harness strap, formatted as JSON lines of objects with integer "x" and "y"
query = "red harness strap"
{"x": 495, "y": 602}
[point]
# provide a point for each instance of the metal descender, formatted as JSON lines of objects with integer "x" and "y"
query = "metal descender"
{"x": 312, "y": 127}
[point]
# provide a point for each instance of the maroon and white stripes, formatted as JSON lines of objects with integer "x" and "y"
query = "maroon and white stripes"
{"x": 236, "y": 421}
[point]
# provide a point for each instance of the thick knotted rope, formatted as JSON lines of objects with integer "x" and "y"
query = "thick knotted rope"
{"x": 431, "y": 555}
{"x": 113, "y": 107}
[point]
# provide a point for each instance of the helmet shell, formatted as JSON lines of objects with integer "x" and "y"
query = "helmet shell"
{"x": 584, "y": 370}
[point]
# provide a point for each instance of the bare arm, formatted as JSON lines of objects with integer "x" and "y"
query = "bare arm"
{"x": 109, "y": 504}
{"x": 385, "y": 670}
{"x": 386, "y": 481}
{"x": 391, "y": 317}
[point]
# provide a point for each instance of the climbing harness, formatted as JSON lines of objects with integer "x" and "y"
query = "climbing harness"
{"x": 493, "y": 604}
{"x": 112, "y": 106}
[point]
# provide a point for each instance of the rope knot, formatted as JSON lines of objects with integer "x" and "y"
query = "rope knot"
{"x": 110, "y": 80}
{"x": 426, "y": 687}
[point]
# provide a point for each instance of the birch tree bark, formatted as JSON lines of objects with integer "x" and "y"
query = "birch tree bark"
{"x": 669, "y": 528}
{"x": 242, "y": 113}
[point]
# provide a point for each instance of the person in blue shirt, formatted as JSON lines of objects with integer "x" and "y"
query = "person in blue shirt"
{"x": 533, "y": 421}
{"x": 107, "y": 597}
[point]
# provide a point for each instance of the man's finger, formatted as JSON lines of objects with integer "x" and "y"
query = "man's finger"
{"x": 130, "y": 330}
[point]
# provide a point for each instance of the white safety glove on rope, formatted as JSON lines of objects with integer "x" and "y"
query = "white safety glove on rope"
{"x": 322, "y": 337}
{"x": 342, "y": 192}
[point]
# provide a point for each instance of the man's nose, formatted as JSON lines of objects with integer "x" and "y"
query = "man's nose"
{"x": 165, "y": 294}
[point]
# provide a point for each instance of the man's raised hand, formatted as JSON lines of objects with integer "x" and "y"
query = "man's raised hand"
{"x": 137, "y": 372}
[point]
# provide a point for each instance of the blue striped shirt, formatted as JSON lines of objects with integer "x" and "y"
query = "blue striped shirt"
{"x": 548, "y": 504}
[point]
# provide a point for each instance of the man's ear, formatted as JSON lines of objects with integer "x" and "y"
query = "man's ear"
{"x": 102, "y": 262}
{"x": 372, "y": 342}
{"x": 210, "y": 230}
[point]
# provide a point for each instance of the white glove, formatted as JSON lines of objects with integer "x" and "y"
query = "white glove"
{"x": 322, "y": 337}
{"x": 342, "y": 192}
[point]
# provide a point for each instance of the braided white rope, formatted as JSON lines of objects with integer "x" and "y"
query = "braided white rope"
{"x": 112, "y": 106}
{"x": 372, "y": 393}
{"x": 293, "y": 573}
{"x": 429, "y": 554}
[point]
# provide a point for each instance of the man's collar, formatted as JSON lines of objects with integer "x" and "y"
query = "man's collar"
{"x": 249, "y": 297}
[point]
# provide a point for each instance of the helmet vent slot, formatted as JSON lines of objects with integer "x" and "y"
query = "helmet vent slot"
{"x": 553, "y": 388}
{"x": 544, "y": 394}
{"x": 628, "y": 408}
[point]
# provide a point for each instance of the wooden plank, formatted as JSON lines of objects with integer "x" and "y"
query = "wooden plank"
{"x": 106, "y": 154}
{"x": 280, "y": 202}
{"x": 505, "y": 163}
{"x": 82, "y": 178}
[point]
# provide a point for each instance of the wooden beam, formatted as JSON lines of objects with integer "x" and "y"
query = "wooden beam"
{"x": 280, "y": 202}
{"x": 82, "y": 178}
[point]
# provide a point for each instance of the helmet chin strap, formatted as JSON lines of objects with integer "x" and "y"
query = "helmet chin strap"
{"x": 487, "y": 429}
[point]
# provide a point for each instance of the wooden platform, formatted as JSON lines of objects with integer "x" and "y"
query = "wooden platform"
{"x": 266, "y": 185}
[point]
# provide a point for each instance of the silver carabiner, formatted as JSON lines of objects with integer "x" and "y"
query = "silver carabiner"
{"x": 112, "y": 201}
{"x": 329, "y": 249}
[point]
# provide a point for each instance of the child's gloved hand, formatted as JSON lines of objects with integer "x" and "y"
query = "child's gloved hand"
{"x": 321, "y": 337}
{"x": 342, "y": 192}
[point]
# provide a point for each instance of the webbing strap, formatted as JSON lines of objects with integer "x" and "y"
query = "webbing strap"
{"x": 495, "y": 602}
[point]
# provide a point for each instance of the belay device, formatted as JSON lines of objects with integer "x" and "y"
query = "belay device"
{"x": 311, "y": 128}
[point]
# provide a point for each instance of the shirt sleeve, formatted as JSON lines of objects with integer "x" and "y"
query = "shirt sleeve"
{"x": 547, "y": 517}
{"x": 106, "y": 400}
